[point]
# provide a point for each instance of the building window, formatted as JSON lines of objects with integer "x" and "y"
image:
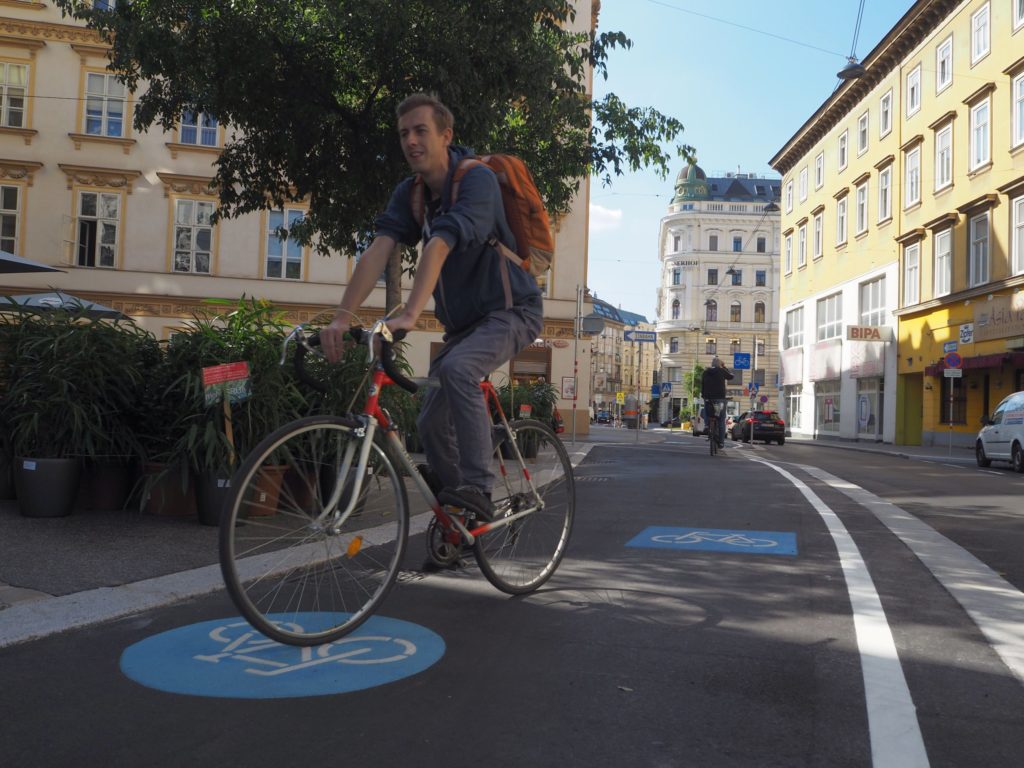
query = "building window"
{"x": 944, "y": 157}
{"x": 762, "y": 244}
{"x": 819, "y": 230}
{"x": 737, "y": 244}
{"x": 9, "y": 217}
{"x": 789, "y": 253}
{"x": 980, "y": 37}
{"x": 734, "y": 347}
{"x": 737, "y": 276}
{"x": 710, "y": 347}
{"x": 193, "y": 236}
{"x": 758, "y": 311}
{"x": 801, "y": 246}
{"x": 803, "y": 183}
{"x": 872, "y": 302}
{"x": 713, "y": 276}
{"x": 793, "y": 396}
{"x": 735, "y": 312}
{"x": 711, "y": 310}
{"x": 676, "y": 276}
{"x": 819, "y": 170}
{"x": 980, "y": 154}
{"x": 1018, "y": 108}
{"x": 977, "y": 271}
{"x": 675, "y": 242}
{"x": 284, "y": 253}
{"x": 830, "y": 317}
{"x": 844, "y": 138}
{"x": 911, "y": 274}
{"x": 1018, "y": 14}
{"x": 12, "y": 94}
{"x": 885, "y": 114}
{"x": 105, "y": 105}
{"x": 712, "y": 242}
{"x": 862, "y": 208}
{"x": 841, "y": 221}
{"x": 793, "y": 333}
{"x": 862, "y": 134}
{"x": 943, "y": 267}
{"x": 944, "y": 64}
{"x": 675, "y": 309}
{"x": 914, "y": 90}
{"x": 761, "y": 278}
{"x": 913, "y": 178}
{"x": 198, "y": 128}
{"x": 885, "y": 194}
{"x": 1018, "y": 234}
{"x": 98, "y": 223}
{"x": 673, "y": 345}
{"x": 789, "y": 196}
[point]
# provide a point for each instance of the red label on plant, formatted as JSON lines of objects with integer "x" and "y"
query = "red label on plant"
{"x": 219, "y": 374}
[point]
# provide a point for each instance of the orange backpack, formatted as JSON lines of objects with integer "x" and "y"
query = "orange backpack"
{"x": 524, "y": 210}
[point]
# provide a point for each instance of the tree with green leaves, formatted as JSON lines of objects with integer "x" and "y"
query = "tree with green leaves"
{"x": 308, "y": 90}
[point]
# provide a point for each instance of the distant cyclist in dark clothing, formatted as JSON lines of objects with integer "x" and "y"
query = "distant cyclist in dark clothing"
{"x": 712, "y": 389}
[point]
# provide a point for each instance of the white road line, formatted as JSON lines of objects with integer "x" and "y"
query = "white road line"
{"x": 995, "y": 605}
{"x": 896, "y": 740}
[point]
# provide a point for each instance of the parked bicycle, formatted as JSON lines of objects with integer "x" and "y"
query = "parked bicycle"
{"x": 309, "y": 559}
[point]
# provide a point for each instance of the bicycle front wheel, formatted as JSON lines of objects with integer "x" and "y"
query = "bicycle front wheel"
{"x": 309, "y": 548}
{"x": 520, "y": 556}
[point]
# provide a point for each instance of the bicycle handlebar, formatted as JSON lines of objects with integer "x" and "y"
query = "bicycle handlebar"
{"x": 360, "y": 336}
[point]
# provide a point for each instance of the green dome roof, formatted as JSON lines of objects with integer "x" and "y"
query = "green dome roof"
{"x": 691, "y": 184}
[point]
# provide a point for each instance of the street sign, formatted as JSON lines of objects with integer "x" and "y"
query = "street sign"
{"x": 741, "y": 361}
{"x": 643, "y": 336}
{"x": 666, "y": 387}
{"x": 953, "y": 360}
{"x": 949, "y": 346}
{"x": 754, "y": 386}
{"x": 620, "y": 398}
{"x": 953, "y": 373}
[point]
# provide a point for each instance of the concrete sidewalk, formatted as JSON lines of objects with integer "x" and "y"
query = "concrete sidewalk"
{"x": 60, "y": 573}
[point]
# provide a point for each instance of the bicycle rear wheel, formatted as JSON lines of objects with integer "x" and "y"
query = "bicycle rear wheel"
{"x": 713, "y": 437}
{"x": 519, "y": 557}
{"x": 297, "y": 571}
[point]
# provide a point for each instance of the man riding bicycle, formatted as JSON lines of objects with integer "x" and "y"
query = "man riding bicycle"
{"x": 467, "y": 278}
{"x": 712, "y": 389}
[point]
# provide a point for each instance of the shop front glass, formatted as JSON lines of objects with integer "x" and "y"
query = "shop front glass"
{"x": 792, "y": 396}
{"x": 869, "y": 408}
{"x": 826, "y": 407}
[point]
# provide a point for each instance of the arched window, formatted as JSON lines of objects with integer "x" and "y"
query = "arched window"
{"x": 759, "y": 312}
{"x": 735, "y": 312}
{"x": 711, "y": 310}
{"x": 675, "y": 309}
{"x": 673, "y": 344}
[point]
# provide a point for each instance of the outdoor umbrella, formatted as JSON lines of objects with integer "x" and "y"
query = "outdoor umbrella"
{"x": 9, "y": 264}
{"x": 58, "y": 300}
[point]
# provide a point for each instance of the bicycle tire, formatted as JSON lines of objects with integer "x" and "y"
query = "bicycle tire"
{"x": 298, "y": 579}
{"x": 713, "y": 436}
{"x": 519, "y": 557}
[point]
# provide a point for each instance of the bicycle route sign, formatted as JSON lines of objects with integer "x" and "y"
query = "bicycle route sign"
{"x": 716, "y": 540}
{"x": 228, "y": 658}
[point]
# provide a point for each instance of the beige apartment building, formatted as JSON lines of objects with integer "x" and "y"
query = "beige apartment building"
{"x": 903, "y": 234}
{"x": 622, "y": 371}
{"x": 126, "y": 214}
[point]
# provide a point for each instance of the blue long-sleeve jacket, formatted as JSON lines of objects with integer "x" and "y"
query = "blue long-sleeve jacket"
{"x": 470, "y": 286}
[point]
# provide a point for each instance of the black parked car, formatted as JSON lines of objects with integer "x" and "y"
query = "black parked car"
{"x": 604, "y": 417}
{"x": 767, "y": 426}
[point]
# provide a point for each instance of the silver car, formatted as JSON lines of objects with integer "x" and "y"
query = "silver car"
{"x": 1002, "y": 435}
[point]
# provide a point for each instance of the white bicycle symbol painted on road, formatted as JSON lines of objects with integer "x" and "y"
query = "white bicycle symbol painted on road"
{"x": 731, "y": 539}
{"x": 241, "y": 643}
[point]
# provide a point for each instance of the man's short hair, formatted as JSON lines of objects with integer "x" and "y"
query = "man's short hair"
{"x": 716, "y": 362}
{"x": 443, "y": 116}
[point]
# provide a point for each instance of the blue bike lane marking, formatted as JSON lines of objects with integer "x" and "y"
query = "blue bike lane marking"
{"x": 716, "y": 540}
{"x": 228, "y": 658}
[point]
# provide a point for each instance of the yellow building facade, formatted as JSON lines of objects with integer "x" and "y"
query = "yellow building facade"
{"x": 903, "y": 233}
{"x": 126, "y": 214}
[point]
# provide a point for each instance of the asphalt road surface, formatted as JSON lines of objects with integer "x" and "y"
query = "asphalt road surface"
{"x": 776, "y": 606}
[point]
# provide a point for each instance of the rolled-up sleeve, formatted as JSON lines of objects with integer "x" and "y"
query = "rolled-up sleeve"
{"x": 397, "y": 221}
{"x": 471, "y": 219}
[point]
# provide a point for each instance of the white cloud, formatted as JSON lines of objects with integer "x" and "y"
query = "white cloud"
{"x": 604, "y": 219}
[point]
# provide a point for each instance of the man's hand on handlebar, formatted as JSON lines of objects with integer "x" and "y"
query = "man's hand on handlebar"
{"x": 332, "y": 339}
{"x": 403, "y": 322}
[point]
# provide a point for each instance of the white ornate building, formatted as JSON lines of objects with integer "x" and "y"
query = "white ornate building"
{"x": 719, "y": 252}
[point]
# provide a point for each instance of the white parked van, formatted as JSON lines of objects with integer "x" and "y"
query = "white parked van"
{"x": 1002, "y": 435}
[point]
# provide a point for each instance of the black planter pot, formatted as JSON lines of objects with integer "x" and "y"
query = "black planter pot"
{"x": 46, "y": 487}
{"x": 6, "y": 477}
{"x": 211, "y": 495}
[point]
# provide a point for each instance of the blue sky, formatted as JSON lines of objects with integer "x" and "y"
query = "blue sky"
{"x": 722, "y": 69}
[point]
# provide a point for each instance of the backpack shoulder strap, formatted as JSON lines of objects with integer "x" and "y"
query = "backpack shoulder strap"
{"x": 461, "y": 170}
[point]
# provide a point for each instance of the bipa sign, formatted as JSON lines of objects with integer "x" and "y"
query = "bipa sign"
{"x": 868, "y": 333}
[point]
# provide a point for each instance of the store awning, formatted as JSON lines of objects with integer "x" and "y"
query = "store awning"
{"x": 1012, "y": 359}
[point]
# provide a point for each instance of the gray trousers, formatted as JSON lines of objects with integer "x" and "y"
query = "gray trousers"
{"x": 454, "y": 423}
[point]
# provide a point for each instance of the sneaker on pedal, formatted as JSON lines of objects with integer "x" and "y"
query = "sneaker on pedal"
{"x": 471, "y": 499}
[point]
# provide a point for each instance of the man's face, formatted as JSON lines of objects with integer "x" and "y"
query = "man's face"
{"x": 424, "y": 145}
